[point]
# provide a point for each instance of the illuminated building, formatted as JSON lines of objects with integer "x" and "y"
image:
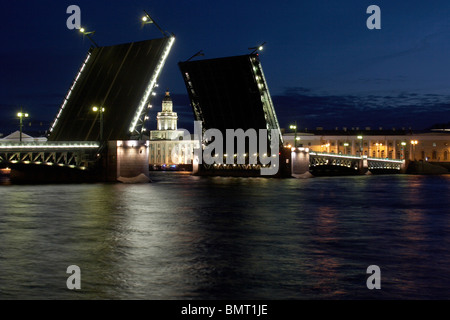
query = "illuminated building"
{"x": 392, "y": 144}
{"x": 166, "y": 122}
{"x": 168, "y": 145}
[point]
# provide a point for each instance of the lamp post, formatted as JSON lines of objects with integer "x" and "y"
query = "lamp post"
{"x": 414, "y": 143}
{"x": 403, "y": 150}
{"x": 294, "y": 127}
{"x": 346, "y": 145}
{"x": 147, "y": 19}
{"x": 378, "y": 148}
{"x": 258, "y": 48}
{"x": 21, "y": 115}
{"x": 361, "y": 147}
{"x": 88, "y": 34}
{"x": 101, "y": 111}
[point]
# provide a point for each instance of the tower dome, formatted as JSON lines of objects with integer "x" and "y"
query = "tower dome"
{"x": 167, "y": 119}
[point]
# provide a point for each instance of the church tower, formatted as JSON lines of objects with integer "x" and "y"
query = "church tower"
{"x": 167, "y": 119}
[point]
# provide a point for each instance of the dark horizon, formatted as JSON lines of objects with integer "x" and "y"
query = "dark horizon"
{"x": 309, "y": 120}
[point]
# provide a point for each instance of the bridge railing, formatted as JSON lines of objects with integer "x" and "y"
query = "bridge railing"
{"x": 63, "y": 145}
{"x": 73, "y": 154}
{"x": 350, "y": 156}
{"x": 330, "y": 154}
{"x": 385, "y": 160}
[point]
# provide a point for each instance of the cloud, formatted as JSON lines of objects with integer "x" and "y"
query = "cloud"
{"x": 314, "y": 109}
{"x": 309, "y": 107}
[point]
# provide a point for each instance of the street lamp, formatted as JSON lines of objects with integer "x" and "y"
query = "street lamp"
{"x": 258, "y": 48}
{"x": 147, "y": 19}
{"x": 414, "y": 143}
{"x": 294, "y": 127}
{"x": 88, "y": 34}
{"x": 198, "y": 54}
{"x": 326, "y": 147}
{"x": 378, "y": 148}
{"x": 101, "y": 111}
{"x": 346, "y": 145}
{"x": 21, "y": 115}
{"x": 361, "y": 147}
{"x": 403, "y": 150}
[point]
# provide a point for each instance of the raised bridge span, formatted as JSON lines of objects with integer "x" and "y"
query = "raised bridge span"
{"x": 97, "y": 132}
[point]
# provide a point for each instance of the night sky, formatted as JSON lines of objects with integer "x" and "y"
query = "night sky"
{"x": 324, "y": 67}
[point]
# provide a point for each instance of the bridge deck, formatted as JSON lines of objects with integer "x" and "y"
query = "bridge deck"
{"x": 71, "y": 154}
{"x": 40, "y": 146}
{"x": 320, "y": 160}
{"x": 356, "y": 157}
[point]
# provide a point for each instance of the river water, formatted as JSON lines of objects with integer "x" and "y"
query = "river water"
{"x": 186, "y": 237}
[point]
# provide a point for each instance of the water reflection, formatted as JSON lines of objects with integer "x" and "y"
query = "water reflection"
{"x": 227, "y": 238}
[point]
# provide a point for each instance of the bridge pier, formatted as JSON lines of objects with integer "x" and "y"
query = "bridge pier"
{"x": 299, "y": 161}
{"x": 127, "y": 162}
{"x": 363, "y": 165}
{"x": 82, "y": 161}
{"x": 405, "y": 165}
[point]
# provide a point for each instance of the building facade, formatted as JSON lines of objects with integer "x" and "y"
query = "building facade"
{"x": 169, "y": 146}
{"x": 430, "y": 146}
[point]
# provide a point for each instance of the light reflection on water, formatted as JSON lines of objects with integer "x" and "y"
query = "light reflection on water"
{"x": 185, "y": 237}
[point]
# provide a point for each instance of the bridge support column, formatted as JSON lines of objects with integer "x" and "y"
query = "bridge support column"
{"x": 195, "y": 163}
{"x": 127, "y": 161}
{"x": 404, "y": 166}
{"x": 363, "y": 165}
{"x": 299, "y": 161}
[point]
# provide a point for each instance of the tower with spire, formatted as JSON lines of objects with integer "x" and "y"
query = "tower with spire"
{"x": 168, "y": 145}
{"x": 167, "y": 119}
